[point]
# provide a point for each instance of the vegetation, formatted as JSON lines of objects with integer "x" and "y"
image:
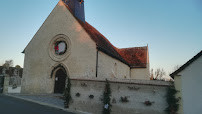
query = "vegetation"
{"x": 67, "y": 94}
{"x": 157, "y": 74}
{"x": 148, "y": 103}
{"x": 91, "y": 96}
{"x": 106, "y": 99}
{"x": 8, "y": 63}
{"x": 18, "y": 66}
{"x": 124, "y": 99}
{"x": 172, "y": 101}
{"x": 78, "y": 94}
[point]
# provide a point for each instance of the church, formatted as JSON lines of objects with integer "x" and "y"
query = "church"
{"x": 66, "y": 46}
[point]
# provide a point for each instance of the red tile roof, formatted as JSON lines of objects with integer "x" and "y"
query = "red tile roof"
{"x": 102, "y": 43}
{"x": 135, "y": 57}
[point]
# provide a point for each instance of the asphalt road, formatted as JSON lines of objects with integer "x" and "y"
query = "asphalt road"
{"x": 10, "y": 105}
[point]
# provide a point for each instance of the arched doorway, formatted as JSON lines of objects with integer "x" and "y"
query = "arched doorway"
{"x": 60, "y": 80}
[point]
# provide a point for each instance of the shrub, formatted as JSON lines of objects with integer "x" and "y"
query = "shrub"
{"x": 91, "y": 96}
{"x": 124, "y": 99}
{"x": 172, "y": 101}
{"x": 67, "y": 94}
{"x": 148, "y": 103}
{"x": 78, "y": 94}
{"x": 106, "y": 99}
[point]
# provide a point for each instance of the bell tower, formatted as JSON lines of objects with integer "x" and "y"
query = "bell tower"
{"x": 77, "y": 8}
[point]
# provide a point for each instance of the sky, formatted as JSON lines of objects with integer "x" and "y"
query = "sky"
{"x": 171, "y": 28}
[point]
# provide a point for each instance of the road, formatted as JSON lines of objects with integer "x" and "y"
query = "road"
{"x": 10, "y": 105}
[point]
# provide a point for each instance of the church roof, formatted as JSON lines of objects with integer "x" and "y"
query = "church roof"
{"x": 102, "y": 42}
{"x": 135, "y": 57}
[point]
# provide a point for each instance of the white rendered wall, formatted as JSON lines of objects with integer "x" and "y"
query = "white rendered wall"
{"x": 192, "y": 87}
{"x": 140, "y": 73}
{"x": 14, "y": 90}
{"x": 109, "y": 67}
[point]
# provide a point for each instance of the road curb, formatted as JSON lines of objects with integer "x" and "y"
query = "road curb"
{"x": 47, "y": 104}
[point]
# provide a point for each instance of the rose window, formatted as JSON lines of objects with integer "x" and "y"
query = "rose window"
{"x": 60, "y": 47}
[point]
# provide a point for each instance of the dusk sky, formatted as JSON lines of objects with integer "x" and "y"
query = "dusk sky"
{"x": 171, "y": 28}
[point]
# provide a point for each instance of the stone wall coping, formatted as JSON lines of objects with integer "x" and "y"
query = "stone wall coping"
{"x": 130, "y": 81}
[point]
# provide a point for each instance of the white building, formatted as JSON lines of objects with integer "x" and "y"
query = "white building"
{"x": 188, "y": 80}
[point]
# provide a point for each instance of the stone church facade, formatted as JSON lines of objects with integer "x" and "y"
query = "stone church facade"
{"x": 67, "y": 46}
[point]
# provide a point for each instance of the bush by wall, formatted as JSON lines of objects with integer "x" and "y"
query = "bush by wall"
{"x": 172, "y": 101}
{"x": 106, "y": 99}
{"x": 67, "y": 94}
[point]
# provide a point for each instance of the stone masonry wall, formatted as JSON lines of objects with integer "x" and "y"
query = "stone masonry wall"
{"x": 137, "y": 93}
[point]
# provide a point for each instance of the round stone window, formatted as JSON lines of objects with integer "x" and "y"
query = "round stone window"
{"x": 59, "y": 48}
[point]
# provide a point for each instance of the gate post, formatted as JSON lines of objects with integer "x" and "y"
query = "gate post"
{"x": 6, "y": 84}
{"x": 1, "y": 83}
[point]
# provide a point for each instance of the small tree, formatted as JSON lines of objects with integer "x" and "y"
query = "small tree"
{"x": 152, "y": 74}
{"x": 8, "y": 63}
{"x": 67, "y": 94}
{"x": 18, "y": 66}
{"x": 106, "y": 99}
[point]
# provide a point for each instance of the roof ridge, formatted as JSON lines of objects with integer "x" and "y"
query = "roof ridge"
{"x": 101, "y": 34}
{"x": 186, "y": 64}
{"x": 132, "y": 47}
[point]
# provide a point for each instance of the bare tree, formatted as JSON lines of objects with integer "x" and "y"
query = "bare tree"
{"x": 157, "y": 74}
{"x": 152, "y": 74}
{"x": 8, "y": 63}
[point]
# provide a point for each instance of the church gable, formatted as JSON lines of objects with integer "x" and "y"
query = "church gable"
{"x": 61, "y": 24}
{"x": 60, "y": 21}
{"x": 62, "y": 30}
